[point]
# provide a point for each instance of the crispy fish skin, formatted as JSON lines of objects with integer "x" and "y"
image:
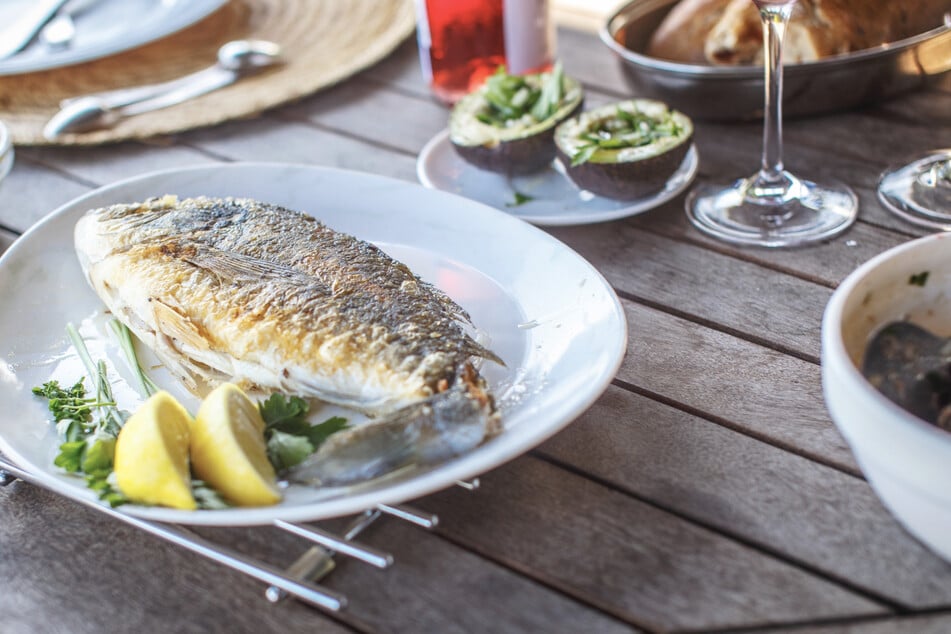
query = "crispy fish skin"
{"x": 244, "y": 291}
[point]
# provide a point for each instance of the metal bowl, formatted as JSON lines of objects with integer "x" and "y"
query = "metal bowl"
{"x": 736, "y": 92}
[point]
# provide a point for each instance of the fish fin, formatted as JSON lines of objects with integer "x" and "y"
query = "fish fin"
{"x": 177, "y": 326}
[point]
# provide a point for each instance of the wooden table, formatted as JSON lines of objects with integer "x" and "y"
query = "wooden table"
{"x": 706, "y": 490}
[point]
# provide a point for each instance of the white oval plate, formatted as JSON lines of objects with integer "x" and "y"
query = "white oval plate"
{"x": 555, "y": 200}
{"x": 104, "y": 28}
{"x": 550, "y": 315}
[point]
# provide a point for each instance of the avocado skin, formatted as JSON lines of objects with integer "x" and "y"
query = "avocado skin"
{"x": 626, "y": 180}
{"x": 522, "y": 155}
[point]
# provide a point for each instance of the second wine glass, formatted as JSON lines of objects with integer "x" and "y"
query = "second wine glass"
{"x": 772, "y": 208}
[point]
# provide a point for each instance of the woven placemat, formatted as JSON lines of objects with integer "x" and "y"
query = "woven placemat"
{"x": 323, "y": 42}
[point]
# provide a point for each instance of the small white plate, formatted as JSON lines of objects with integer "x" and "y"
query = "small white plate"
{"x": 554, "y": 199}
{"x": 548, "y": 313}
{"x": 104, "y": 28}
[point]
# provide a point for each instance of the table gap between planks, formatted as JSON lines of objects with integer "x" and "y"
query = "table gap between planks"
{"x": 706, "y": 491}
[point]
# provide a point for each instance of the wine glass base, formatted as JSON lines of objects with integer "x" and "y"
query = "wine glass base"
{"x": 792, "y": 212}
{"x": 920, "y": 192}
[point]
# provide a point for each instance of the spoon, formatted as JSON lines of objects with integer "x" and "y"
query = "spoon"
{"x": 236, "y": 59}
{"x": 912, "y": 367}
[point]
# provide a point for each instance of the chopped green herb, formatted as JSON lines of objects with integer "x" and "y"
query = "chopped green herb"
{"x": 88, "y": 426}
{"x": 67, "y": 404}
{"x": 582, "y": 155}
{"x": 919, "y": 279}
{"x": 105, "y": 486}
{"x": 512, "y": 97}
{"x": 290, "y": 437}
{"x": 146, "y": 384}
{"x": 286, "y": 450}
{"x": 97, "y": 459}
{"x": 206, "y": 497}
{"x": 520, "y": 199}
{"x": 280, "y": 410}
{"x": 70, "y": 456}
{"x": 626, "y": 129}
{"x": 318, "y": 433}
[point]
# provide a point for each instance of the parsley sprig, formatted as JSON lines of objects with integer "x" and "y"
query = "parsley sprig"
{"x": 88, "y": 425}
{"x": 290, "y": 437}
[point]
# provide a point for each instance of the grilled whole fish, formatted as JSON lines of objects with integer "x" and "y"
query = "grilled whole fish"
{"x": 243, "y": 291}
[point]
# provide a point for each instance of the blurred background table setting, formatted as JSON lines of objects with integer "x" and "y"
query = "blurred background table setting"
{"x": 688, "y": 441}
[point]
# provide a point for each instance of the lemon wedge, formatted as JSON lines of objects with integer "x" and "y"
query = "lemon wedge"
{"x": 228, "y": 450}
{"x": 151, "y": 456}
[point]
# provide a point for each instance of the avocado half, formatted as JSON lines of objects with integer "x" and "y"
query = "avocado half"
{"x": 624, "y": 150}
{"x": 517, "y": 145}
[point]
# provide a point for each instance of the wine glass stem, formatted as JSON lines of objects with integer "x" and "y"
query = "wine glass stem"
{"x": 775, "y": 20}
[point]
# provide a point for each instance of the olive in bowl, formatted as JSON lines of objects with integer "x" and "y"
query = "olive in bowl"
{"x": 624, "y": 150}
{"x": 507, "y": 125}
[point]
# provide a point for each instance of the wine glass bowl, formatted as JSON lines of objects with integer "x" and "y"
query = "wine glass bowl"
{"x": 920, "y": 191}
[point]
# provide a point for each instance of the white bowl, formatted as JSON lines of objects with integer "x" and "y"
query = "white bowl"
{"x": 906, "y": 460}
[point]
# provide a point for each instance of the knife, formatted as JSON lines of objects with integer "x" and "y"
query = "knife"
{"x": 19, "y": 32}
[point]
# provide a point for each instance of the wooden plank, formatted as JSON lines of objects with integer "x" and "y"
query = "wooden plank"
{"x": 69, "y": 561}
{"x": 923, "y": 624}
{"x": 375, "y": 114}
{"x": 735, "y": 295}
{"x": 763, "y": 495}
{"x": 435, "y": 586}
{"x": 764, "y": 393}
{"x": 825, "y": 263}
{"x": 32, "y": 191}
{"x": 269, "y": 139}
{"x": 101, "y": 165}
{"x": 627, "y": 557}
{"x": 65, "y": 568}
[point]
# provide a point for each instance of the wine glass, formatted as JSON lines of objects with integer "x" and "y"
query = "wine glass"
{"x": 920, "y": 192}
{"x": 772, "y": 208}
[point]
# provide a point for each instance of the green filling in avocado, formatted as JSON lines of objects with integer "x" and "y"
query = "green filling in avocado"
{"x": 626, "y": 129}
{"x": 512, "y": 97}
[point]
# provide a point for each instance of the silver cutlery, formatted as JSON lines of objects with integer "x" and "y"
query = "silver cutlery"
{"x": 21, "y": 31}
{"x": 236, "y": 59}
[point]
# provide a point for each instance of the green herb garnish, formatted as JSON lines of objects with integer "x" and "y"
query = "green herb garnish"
{"x": 513, "y": 97}
{"x": 88, "y": 425}
{"x": 919, "y": 279}
{"x": 625, "y": 130}
{"x": 520, "y": 199}
{"x": 290, "y": 437}
{"x": 146, "y": 384}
